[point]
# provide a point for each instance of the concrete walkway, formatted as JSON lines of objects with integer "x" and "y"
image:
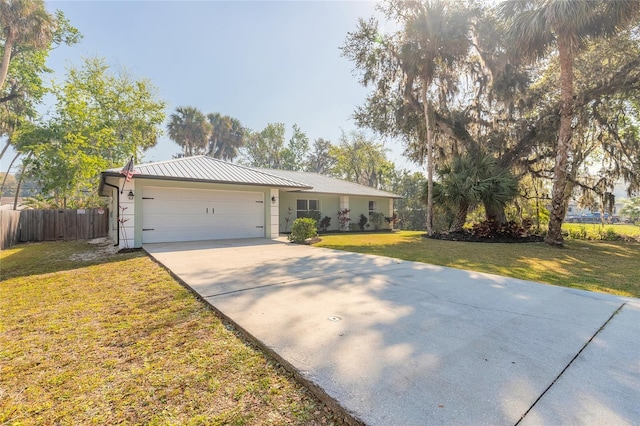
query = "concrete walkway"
{"x": 404, "y": 343}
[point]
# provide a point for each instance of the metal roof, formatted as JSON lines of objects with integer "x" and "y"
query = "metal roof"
{"x": 328, "y": 185}
{"x": 202, "y": 168}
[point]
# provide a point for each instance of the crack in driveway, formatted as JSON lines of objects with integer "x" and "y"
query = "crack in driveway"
{"x": 617, "y": 311}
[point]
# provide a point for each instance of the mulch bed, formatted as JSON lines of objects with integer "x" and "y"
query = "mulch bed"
{"x": 470, "y": 238}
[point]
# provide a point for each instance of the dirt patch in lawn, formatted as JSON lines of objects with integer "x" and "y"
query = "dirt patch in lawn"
{"x": 99, "y": 248}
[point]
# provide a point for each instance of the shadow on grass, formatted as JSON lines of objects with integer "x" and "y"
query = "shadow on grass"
{"x": 607, "y": 267}
{"x": 29, "y": 259}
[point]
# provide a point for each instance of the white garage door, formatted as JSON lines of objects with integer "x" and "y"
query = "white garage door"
{"x": 176, "y": 214}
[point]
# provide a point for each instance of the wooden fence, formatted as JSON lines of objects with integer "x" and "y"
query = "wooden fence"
{"x": 9, "y": 228}
{"x": 53, "y": 225}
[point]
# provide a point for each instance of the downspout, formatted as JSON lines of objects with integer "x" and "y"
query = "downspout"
{"x": 117, "y": 212}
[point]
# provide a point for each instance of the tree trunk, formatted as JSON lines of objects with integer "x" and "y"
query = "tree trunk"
{"x": 4, "y": 180}
{"x": 4, "y": 149}
{"x": 425, "y": 106}
{"x": 461, "y": 217}
{"x": 495, "y": 213}
{"x": 15, "y": 199}
{"x": 6, "y": 57}
{"x": 563, "y": 149}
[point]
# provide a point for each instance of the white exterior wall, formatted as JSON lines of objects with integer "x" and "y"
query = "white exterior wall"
{"x": 126, "y": 214}
{"x": 329, "y": 206}
{"x": 138, "y": 183}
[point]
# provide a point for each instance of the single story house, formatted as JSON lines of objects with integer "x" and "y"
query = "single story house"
{"x": 202, "y": 198}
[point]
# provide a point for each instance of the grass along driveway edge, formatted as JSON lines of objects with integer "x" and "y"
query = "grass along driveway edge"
{"x": 118, "y": 340}
{"x": 603, "y": 266}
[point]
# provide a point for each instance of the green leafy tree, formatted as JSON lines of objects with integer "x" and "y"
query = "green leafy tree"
{"x": 294, "y": 155}
{"x": 433, "y": 38}
{"x": 631, "y": 209}
{"x": 227, "y": 137}
{"x": 25, "y": 24}
{"x": 360, "y": 160}
{"x": 190, "y": 129}
{"x": 319, "y": 159}
{"x": 101, "y": 118}
{"x": 27, "y": 34}
{"x": 264, "y": 148}
{"x": 410, "y": 209}
{"x": 537, "y": 26}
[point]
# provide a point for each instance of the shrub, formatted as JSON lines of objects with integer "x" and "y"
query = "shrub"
{"x": 362, "y": 222}
{"x": 594, "y": 233}
{"x": 611, "y": 235}
{"x": 344, "y": 219}
{"x": 377, "y": 220}
{"x": 493, "y": 229}
{"x": 392, "y": 220}
{"x": 313, "y": 214}
{"x": 578, "y": 234}
{"x": 303, "y": 229}
{"x": 325, "y": 223}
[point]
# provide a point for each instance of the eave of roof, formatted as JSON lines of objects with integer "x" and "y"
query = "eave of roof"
{"x": 321, "y": 184}
{"x": 209, "y": 170}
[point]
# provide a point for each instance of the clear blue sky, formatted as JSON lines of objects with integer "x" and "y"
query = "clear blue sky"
{"x": 258, "y": 61}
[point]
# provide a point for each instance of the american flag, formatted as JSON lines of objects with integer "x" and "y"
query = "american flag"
{"x": 128, "y": 171}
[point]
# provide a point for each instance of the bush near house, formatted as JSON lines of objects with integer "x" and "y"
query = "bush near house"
{"x": 304, "y": 228}
{"x": 377, "y": 220}
{"x": 325, "y": 223}
{"x": 362, "y": 222}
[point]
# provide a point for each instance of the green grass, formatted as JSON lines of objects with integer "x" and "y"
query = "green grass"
{"x": 92, "y": 337}
{"x": 596, "y": 231}
{"x": 607, "y": 267}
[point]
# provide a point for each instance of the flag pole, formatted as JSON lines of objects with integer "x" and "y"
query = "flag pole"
{"x": 127, "y": 171}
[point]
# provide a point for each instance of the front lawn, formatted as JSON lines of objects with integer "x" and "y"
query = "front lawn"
{"x": 597, "y": 231}
{"x": 92, "y": 337}
{"x": 604, "y": 266}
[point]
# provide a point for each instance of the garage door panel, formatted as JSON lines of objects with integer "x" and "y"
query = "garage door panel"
{"x": 176, "y": 214}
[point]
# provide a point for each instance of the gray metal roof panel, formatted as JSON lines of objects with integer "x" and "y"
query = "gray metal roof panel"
{"x": 329, "y": 185}
{"x": 207, "y": 169}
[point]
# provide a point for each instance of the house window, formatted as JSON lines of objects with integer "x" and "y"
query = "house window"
{"x": 372, "y": 207}
{"x": 303, "y": 207}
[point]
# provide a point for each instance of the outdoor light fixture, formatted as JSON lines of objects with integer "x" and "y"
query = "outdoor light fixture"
{"x": 273, "y": 198}
{"x": 130, "y": 194}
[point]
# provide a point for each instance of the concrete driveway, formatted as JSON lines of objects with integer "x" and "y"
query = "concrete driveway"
{"x": 404, "y": 343}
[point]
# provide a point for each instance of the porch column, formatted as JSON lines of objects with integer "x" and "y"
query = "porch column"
{"x": 274, "y": 229}
{"x": 390, "y": 212}
{"x": 344, "y": 204}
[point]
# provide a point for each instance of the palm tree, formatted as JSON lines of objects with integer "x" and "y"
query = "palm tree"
{"x": 435, "y": 37}
{"x": 189, "y": 128}
{"x": 227, "y": 136}
{"x": 24, "y": 23}
{"x": 470, "y": 179}
{"x": 538, "y": 26}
